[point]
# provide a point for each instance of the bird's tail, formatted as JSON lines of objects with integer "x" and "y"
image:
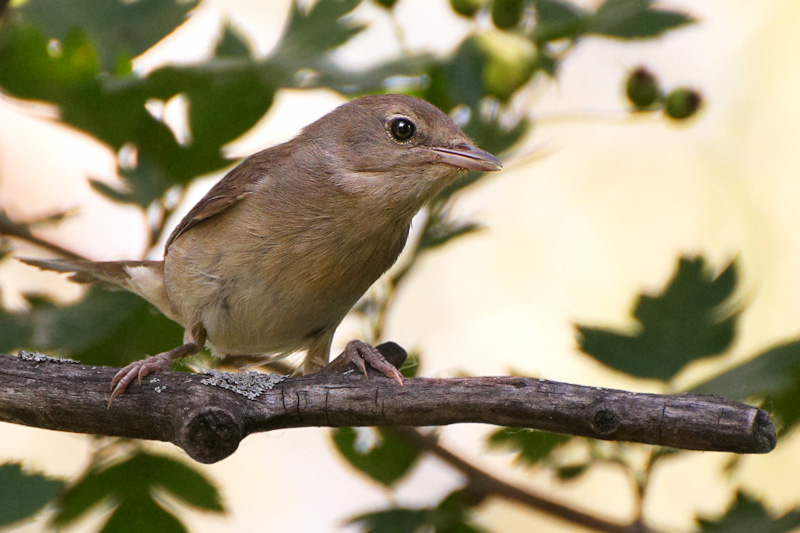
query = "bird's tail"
{"x": 107, "y": 274}
{"x": 145, "y": 278}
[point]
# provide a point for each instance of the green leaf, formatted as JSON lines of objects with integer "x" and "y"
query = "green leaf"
{"x": 556, "y": 19}
{"x": 385, "y": 461}
{"x": 117, "y": 28}
{"x": 28, "y": 70}
{"x": 398, "y": 520}
{"x": 144, "y": 331}
{"x": 233, "y": 43}
{"x": 15, "y": 331}
{"x": 691, "y": 318}
{"x": 311, "y": 33}
{"x": 411, "y": 365}
{"x": 531, "y": 446}
{"x": 453, "y": 512}
{"x": 747, "y": 515}
{"x": 221, "y": 108}
{"x": 772, "y": 377}
{"x": 22, "y": 494}
{"x": 570, "y": 472}
{"x": 635, "y": 19}
{"x": 132, "y": 484}
{"x": 225, "y": 98}
{"x": 442, "y": 230}
{"x": 182, "y": 481}
{"x": 452, "y": 515}
{"x": 106, "y": 327}
{"x": 399, "y": 75}
{"x": 135, "y": 515}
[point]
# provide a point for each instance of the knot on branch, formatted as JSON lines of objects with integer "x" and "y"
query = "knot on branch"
{"x": 209, "y": 433}
{"x": 605, "y": 420}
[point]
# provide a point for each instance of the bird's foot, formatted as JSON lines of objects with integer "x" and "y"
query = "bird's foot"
{"x": 140, "y": 369}
{"x": 361, "y": 354}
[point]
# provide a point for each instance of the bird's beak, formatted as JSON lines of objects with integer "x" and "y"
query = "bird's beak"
{"x": 468, "y": 157}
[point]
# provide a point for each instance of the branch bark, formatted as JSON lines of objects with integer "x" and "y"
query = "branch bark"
{"x": 208, "y": 415}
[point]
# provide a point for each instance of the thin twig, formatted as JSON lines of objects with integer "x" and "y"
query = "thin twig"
{"x": 488, "y": 485}
{"x": 23, "y": 233}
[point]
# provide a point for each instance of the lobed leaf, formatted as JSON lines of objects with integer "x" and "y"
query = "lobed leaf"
{"x": 747, "y": 514}
{"x": 692, "y": 318}
{"x": 131, "y": 487}
{"x": 635, "y": 19}
{"x": 23, "y": 494}
{"x": 772, "y": 377}
{"x": 386, "y": 461}
{"x": 530, "y": 446}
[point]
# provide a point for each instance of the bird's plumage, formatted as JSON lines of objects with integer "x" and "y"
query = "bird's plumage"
{"x": 275, "y": 255}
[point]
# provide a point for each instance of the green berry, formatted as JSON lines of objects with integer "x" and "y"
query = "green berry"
{"x": 642, "y": 88}
{"x": 507, "y": 13}
{"x": 682, "y": 103}
{"x": 507, "y": 61}
{"x": 467, "y": 8}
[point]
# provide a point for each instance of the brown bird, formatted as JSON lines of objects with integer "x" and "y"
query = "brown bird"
{"x": 271, "y": 260}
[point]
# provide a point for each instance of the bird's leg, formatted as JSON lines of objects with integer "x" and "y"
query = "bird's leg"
{"x": 361, "y": 354}
{"x": 194, "y": 340}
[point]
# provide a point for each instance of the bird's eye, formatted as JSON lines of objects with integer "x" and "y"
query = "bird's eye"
{"x": 402, "y": 129}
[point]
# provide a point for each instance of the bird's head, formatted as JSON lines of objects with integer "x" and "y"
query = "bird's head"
{"x": 394, "y": 148}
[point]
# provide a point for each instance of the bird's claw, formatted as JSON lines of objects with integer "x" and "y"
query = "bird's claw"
{"x": 138, "y": 369}
{"x": 362, "y": 354}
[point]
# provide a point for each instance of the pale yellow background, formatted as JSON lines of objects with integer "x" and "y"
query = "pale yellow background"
{"x": 571, "y": 237}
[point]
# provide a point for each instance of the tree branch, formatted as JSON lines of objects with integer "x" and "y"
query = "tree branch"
{"x": 23, "y": 233}
{"x": 209, "y": 414}
{"x": 488, "y": 485}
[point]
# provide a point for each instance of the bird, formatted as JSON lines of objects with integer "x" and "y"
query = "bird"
{"x": 273, "y": 257}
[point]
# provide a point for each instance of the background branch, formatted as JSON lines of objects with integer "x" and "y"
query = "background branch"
{"x": 23, "y": 233}
{"x": 208, "y": 422}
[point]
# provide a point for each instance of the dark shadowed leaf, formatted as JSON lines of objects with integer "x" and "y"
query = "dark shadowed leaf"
{"x": 116, "y": 27}
{"x": 313, "y": 31}
{"x": 570, "y": 472}
{"x": 442, "y": 231}
{"x": 692, "y": 318}
{"x": 28, "y": 70}
{"x": 145, "y": 331}
{"x": 22, "y": 493}
{"x": 392, "y": 521}
{"x": 182, "y": 481}
{"x": 399, "y": 75}
{"x": 234, "y": 43}
{"x": 772, "y": 377}
{"x": 453, "y": 513}
{"x": 133, "y": 484}
{"x": 105, "y": 328}
{"x": 635, "y": 19}
{"x": 531, "y": 446}
{"x": 15, "y": 331}
{"x": 386, "y": 460}
{"x": 748, "y": 515}
{"x": 135, "y": 515}
{"x": 557, "y": 19}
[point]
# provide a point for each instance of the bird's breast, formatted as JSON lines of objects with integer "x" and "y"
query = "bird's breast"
{"x": 260, "y": 284}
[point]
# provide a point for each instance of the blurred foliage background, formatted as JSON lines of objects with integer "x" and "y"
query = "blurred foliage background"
{"x": 83, "y": 60}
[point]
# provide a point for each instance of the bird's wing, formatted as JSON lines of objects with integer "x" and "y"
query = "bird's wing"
{"x": 229, "y": 191}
